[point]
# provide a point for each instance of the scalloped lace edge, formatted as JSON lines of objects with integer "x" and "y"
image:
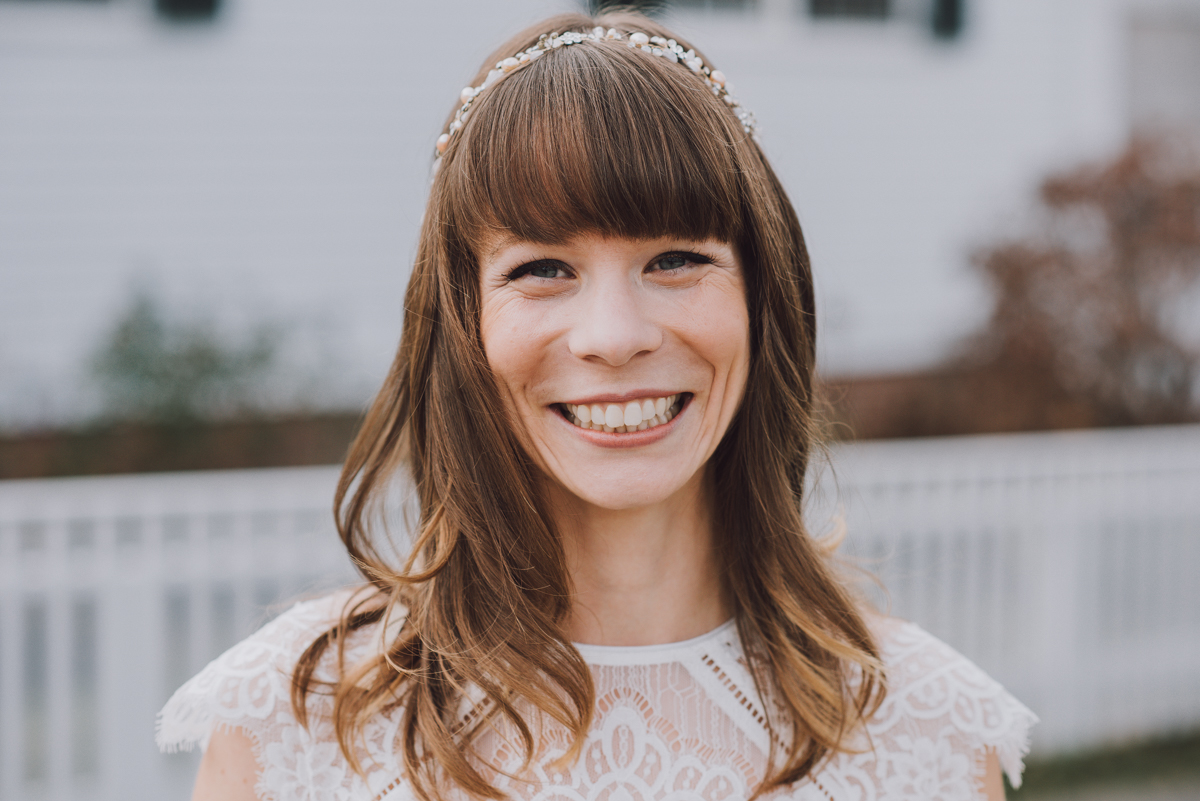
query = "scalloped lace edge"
{"x": 1013, "y": 750}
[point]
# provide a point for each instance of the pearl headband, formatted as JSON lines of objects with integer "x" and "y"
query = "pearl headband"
{"x": 654, "y": 45}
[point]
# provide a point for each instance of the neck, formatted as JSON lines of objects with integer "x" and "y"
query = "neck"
{"x": 642, "y": 576}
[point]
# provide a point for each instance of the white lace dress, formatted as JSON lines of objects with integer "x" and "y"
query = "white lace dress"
{"x": 678, "y": 721}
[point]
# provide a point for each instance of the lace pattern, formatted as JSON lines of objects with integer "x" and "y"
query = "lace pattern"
{"x": 679, "y": 721}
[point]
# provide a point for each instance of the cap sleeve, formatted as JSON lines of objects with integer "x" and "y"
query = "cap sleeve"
{"x": 249, "y": 686}
{"x": 939, "y": 697}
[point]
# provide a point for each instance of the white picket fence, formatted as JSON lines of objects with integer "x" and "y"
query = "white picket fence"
{"x": 113, "y": 591}
{"x": 1065, "y": 564}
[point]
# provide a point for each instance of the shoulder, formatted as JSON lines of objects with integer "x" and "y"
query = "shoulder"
{"x": 940, "y": 701}
{"x": 248, "y": 686}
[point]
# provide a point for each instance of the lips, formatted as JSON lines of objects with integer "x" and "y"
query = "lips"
{"x": 634, "y": 415}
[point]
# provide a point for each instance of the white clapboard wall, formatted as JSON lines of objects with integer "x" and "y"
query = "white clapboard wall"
{"x": 1065, "y": 564}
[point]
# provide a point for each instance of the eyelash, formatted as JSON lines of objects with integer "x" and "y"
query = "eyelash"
{"x": 692, "y": 258}
{"x": 528, "y": 267}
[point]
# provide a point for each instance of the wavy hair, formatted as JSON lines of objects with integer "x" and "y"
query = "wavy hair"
{"x": 594, "y": 138}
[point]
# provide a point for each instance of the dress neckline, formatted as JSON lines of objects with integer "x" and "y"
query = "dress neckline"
{"x": 652, "y": 654}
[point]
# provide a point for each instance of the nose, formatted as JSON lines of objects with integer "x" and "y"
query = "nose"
{"x": 612, "y": 323}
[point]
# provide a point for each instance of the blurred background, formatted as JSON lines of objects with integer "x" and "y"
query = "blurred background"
{"x": 208, "y": 211}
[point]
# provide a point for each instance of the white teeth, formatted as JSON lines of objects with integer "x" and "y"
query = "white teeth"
{"x": 624, "y": 418}
{"x": 633, "y": 414}
{"x": 614, "y": 415}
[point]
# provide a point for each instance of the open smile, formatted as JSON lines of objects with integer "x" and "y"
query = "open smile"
{"x": 622, "y": 418}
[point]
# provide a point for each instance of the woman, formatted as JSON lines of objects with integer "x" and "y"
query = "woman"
{"x": 603, "y": 398}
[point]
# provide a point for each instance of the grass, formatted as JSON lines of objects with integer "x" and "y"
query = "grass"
{"x": 1167, "y": 761}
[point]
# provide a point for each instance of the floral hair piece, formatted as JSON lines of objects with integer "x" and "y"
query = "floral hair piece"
{"x": 654, "y": 45}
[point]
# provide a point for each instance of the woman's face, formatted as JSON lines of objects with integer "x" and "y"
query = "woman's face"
{"x": 623, "y": 361}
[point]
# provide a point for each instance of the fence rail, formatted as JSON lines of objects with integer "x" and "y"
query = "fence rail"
{"x": 113, "y": 591}
{"x": 1065, "y": 564}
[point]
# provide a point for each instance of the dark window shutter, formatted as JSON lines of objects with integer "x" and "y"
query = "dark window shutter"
{"x": 187, "y": 10}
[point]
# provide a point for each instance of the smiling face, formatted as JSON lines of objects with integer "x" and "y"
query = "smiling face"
{"x": 623, "y": 361}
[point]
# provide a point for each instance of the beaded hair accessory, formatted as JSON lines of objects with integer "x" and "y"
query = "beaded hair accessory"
{"x": 654, "y": 45}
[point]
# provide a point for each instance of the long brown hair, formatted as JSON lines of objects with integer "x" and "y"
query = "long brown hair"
{"x": 594, "y": 138}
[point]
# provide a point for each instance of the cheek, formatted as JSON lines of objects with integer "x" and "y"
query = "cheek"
{"x": 723, "y": 337}
{"x": 734, "y": 357}
{"x": 499, "y": 346}
{"x": 511, "y": 343}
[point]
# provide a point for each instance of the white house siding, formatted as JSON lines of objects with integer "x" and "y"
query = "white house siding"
{"x": 274, "y": 163}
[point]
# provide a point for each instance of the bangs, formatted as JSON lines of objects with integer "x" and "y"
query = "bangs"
{"x": 598, "y": 138}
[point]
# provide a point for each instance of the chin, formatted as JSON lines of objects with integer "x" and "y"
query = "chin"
{"x": 619, "y": 496}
